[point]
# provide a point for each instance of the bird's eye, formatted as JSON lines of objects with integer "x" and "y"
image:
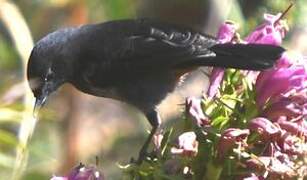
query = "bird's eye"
{"x": 49, "y": 76}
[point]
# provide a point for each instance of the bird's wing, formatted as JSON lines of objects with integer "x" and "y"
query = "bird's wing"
{"x": 154, "y": 46}
{"x": 130, "y": 48}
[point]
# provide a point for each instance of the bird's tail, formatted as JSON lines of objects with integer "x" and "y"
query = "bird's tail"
{"x": 242, "y": 56}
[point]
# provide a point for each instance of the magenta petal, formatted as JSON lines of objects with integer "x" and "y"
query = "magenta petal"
{"x": 283, "y": 107}
{"x": 82, "y": 172}
{"x": 298, "y": 128}
{"x": 271, "y": 148}
{"x": 216, "y": 78}
{"x": 268, "y": 32}
{"x": 292, "y": 145}
{"x": 195, "y": 111}
{"x": 281, "y": 168}
{"x": 278, "y": 81}
{"x": 230, "y": 138}
{"x": 284, "y": 62}
{"x": 256, "y": 35}
{"x": 186, "y": 140}
{"x": 271, "y": 37}
{"x": 278, "y": 166}
{"x": 298, "y": 96}
{"x": 270, "y": 18}
{"x": 262, "y": 78}
{"x": 265, "y": 128}
{"x": 187, "y": 145}
{"x": 226, "y": 32}
{"x": 265, "y": 35}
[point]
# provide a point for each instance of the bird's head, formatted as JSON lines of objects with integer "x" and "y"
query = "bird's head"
{"x": 48, "y": 69}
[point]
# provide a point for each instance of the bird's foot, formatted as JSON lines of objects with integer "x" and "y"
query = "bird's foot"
{"x": 142, "y": 156}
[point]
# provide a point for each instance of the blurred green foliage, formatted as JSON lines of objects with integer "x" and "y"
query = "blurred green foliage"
{"x": 118, "y": 9}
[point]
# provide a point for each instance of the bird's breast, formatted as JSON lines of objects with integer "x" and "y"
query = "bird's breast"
{"x": 144, "y": 91}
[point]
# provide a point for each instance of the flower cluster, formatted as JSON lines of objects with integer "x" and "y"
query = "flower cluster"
{"x": 280, "y": 123}
{"x": 82, "y": 172}
{"x": 282, "y": 102}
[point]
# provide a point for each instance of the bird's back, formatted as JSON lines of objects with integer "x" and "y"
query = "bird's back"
{"x": 137, "y": 47}
{"x": 134, "y": 60}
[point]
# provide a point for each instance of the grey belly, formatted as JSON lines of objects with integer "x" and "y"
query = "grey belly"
{"x": 148, "y": 91}
{"x": 144, "y": 92}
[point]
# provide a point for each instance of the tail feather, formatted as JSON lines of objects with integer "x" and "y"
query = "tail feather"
{"x": 243, "y": 56}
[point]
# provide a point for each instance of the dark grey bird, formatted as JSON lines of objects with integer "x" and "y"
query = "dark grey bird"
{"x": 135, "y": 61}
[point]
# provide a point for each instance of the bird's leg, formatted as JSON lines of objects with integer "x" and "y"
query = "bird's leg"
{"x": 155, "y": 121}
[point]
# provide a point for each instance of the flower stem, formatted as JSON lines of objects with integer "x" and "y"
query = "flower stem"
{"x": 213, "y": 171}
{"x": 284, "y": 13}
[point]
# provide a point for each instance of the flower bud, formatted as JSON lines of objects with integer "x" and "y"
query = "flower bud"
{"x": 266, "y": 129}
{"x": 82, "y": 172}
{"x": 195, "y": 111}
{"x": 230, "y": 138}
{"x": 187, "y": 145}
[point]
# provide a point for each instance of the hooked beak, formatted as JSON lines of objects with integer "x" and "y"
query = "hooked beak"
{"x": 41, "y": 100}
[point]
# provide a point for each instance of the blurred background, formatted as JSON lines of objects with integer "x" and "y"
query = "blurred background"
{"x": 75, "y": 127}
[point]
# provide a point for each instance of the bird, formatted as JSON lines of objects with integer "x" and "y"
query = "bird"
{"x": 136, "y": 61}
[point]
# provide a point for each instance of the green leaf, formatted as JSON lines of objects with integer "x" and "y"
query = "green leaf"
{"x": 220, "y": 122}
{"x": 118, "y": 9}
{"x": 6, "y": 160}
{"x": 8, "y": 138}
{"x": 165, "y": 140}
{"x": 10, "y": 115}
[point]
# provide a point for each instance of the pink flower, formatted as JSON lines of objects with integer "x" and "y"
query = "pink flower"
{"x": 216, "y": 78}
{"x": 230, "y": 138}
{"x": 266, "y": 129}
{"x": 269, "y": 32}
{"x": 225, "y": 34}
{"x": 86, "y": 173}
{"x": 287, "y": 61}
{"x": 271, "y": 148}
{"x": 195, "y": 111}
{"x": 274, "y": 82}
{"x": 277, "y": 167}
{"x": 292, "y": 145}
{"x": 298, "y": 96}
{"x": 82, "y": 172}
{"x": 282, "y": 95}
{"x": 285, "y": 87}
{"x": 298, "y": 128}
{"x": 272, "y": 31}
{"x": 284, "y": 107}
{"x": 291, "y": 106}
{"x": 187, "y": 145}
